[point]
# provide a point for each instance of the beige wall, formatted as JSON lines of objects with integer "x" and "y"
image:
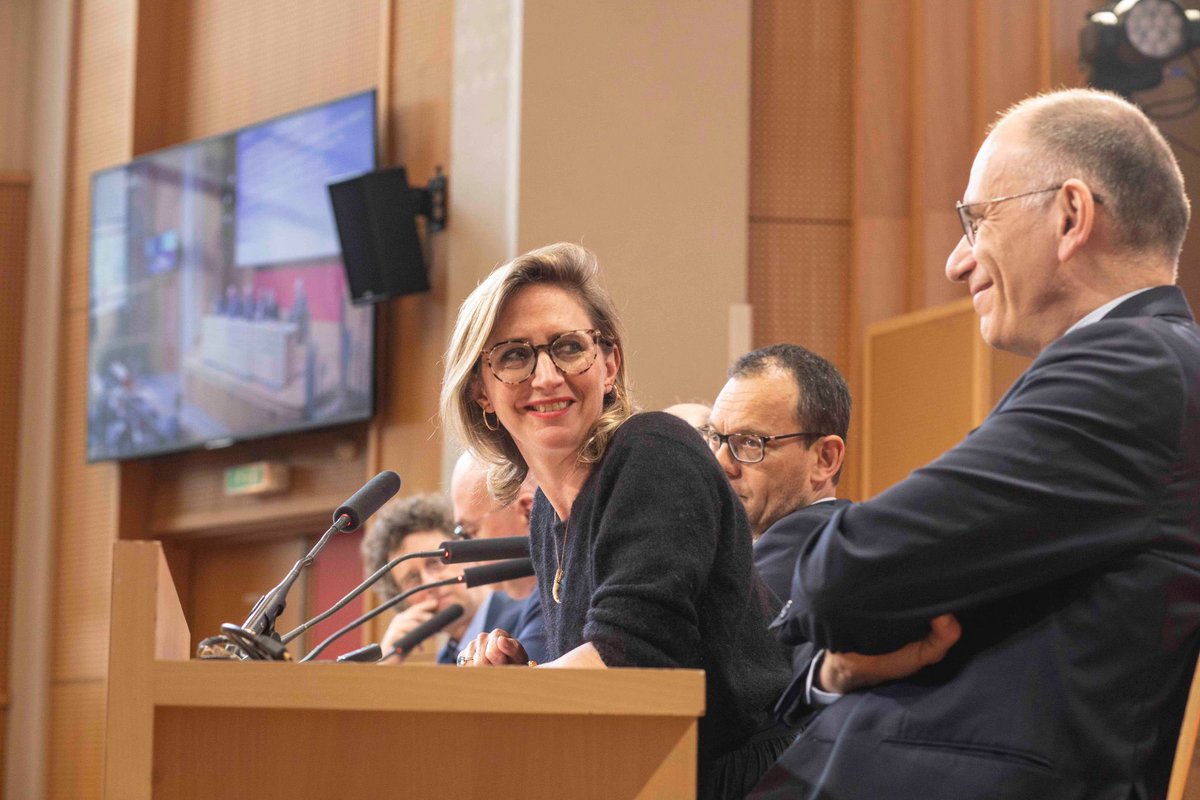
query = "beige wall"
{"x": 635, "y": 142}
{"x": 559, "y": 135}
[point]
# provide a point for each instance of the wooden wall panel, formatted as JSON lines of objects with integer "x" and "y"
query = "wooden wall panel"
{"x": 918, "y": 395}
{"x": 800, "y": 110}
{"x": 16, "y": 85}
{"x": 879, "y": 268}
{"x": 227, "y": 578}
{"x": 943, "y": 151}
{"x": 1064, "y": 19}
{"x": 930, "y": 379}
{"x": 1009, "y": 51}
{"x": 405, "y": 436}
{"x": 235, "y": 63}
{"x": 100, "y": 125}
{"x": 14, "y": 221}
{"x": 76, "y": 758}
{"x": 800, "y": 287}
{"x": 801, "y": 171}
{"x": 186, "y": 496}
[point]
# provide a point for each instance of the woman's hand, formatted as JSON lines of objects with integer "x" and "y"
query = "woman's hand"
{"x": 491, "y": 650}
{"x": 586, "y": 656}
{"x": 404, "y": 623}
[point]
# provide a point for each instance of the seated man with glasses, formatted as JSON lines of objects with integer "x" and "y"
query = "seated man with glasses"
{"x": 419, "y": 524}
{"x": 478, "y": 516}
{"x": 1063, "y": 532}
{"x": 778, "y": 429}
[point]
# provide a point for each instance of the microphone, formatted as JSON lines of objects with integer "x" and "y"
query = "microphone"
{"x": 256, "y": 637}
{"x": 472, "y": 576}
{"x": 370, "y": 653}
{"x": 406, "y": 643}
{"x": 356, "y": 591}
{"x": 375, "y": 612}
{"x": 367, "y": 500}
{"x": 456, "y": 552}
{"x": 498, "y": 572}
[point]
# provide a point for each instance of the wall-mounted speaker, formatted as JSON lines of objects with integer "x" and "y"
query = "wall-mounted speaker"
{"x": 376, "y": 222}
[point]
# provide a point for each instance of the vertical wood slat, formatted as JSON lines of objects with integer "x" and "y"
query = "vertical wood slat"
{"x": 800, "y": 176}
{"x": 14, "y": 225}
{"x": 100, "y": 121}
{"x": 405, "y": 436}
{"x": 878, "y": 270}
{"x": 943, "y": 146}
{"x": 800, "y": 173}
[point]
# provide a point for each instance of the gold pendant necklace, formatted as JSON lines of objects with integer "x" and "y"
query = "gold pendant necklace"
{"x": 556, "y": 588}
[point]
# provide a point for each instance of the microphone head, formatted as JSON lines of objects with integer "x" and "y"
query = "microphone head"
{"x": 369, "y": 499}
{"x": 504, "y": 547}
{"x": 498, "y": 572}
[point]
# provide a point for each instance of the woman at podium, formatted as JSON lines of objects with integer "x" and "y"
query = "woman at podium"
{"x": 641, "y": 548}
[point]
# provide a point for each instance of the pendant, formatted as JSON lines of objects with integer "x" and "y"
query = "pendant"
{"x": 556, "y": 590}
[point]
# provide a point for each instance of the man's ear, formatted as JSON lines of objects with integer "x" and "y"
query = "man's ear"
{"x": 525, "y": 504}
{"x": 1076, "y": 208}
{"x": 831, "y": 452}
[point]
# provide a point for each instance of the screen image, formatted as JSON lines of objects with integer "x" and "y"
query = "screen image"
{"x": 218, "y": 306}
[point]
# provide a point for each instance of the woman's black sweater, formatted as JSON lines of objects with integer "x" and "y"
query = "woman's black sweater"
{"x": 657, "y": 572}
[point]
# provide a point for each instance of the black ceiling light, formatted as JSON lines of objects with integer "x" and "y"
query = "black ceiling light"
{"x": 1127, "y": 44}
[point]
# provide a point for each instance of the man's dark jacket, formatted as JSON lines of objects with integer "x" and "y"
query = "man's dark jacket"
{"x": 776, "y": 551}
{"x": 1065, "y": 534}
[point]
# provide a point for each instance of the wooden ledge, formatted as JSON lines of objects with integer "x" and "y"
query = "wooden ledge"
{"x": 367, "y": 687}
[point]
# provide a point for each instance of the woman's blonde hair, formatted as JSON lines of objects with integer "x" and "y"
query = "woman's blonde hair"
{"x": 571, "y": 268}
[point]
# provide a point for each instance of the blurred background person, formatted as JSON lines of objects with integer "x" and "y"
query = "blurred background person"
{"x": 478, "y": 516}
{"x": 418, "y": 524}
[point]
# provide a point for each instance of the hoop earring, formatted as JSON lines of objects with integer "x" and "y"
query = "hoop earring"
{"x": 489, "y": 427}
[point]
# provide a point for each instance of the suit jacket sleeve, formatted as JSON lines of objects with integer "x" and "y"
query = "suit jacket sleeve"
{"x": 1063, "y": 476}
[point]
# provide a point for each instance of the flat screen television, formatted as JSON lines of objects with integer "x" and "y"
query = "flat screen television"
{"x": 218, "y": 308}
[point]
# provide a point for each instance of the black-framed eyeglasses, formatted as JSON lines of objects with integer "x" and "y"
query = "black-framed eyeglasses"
{"x": 970, "y": 220}
{"x": 572, "y": 352}
{"x": 748, "y": 448}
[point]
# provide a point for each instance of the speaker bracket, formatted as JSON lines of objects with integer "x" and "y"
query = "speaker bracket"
{"x": 430, "y": 201}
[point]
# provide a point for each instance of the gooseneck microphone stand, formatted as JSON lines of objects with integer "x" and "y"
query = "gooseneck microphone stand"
{"x": 256, "y": 638}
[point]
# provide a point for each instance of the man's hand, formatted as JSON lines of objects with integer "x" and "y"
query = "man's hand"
{"x": 404, "y": 623}
{"x": 493, "y": 649}
{"x": 845, "y": 672}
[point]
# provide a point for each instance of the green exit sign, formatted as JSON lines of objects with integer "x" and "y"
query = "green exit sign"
{"x": 260, "y": 477}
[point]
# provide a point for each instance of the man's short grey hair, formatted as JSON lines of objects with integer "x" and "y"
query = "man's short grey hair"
{"x": 1111, "y": 145}
{"x": 396, "y": 520}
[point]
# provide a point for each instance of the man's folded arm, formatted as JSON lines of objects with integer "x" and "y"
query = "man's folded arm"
{"x": 1053, "y": 484}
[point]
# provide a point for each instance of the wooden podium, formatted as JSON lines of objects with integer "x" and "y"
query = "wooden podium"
{"x": 180, "y": 728}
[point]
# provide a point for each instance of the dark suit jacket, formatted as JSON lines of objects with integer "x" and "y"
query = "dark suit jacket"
{"x": 776, "y": 551}
{"x": 530, "y": 627}
{"x": 1065, "y": 533}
